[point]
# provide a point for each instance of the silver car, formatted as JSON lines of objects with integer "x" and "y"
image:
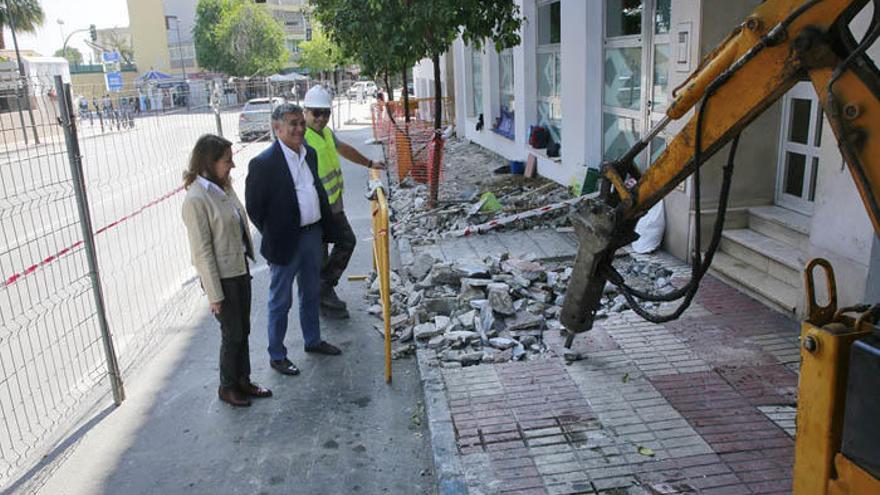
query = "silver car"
{"x": 255, "y": 121}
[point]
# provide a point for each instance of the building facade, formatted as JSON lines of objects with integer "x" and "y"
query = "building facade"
{"x": 598, "y": 74}
{"x": 293, "y": 15}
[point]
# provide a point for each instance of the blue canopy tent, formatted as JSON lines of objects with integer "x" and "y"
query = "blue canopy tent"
{"x": 153, "y": 75}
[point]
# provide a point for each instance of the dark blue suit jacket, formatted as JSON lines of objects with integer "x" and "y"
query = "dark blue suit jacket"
{"x": 271, "y": 203}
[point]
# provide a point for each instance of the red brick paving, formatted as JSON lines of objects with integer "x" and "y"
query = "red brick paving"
{"x": 752, "y": 454}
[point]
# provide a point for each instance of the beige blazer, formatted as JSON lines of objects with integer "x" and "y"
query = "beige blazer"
{"x": 215, "y": 239}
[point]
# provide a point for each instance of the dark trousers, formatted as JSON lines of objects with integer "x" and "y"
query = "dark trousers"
{"x": 344, "y": 241}
{"x": 235, "y": 327}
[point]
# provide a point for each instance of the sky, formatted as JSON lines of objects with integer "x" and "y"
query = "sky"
{"x": 76, "y": 14}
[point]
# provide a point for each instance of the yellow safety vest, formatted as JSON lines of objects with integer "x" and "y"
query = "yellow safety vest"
{"x": 328, "y": 162}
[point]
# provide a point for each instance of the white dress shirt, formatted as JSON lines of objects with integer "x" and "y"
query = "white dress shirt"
{"x": 304, "y": 182}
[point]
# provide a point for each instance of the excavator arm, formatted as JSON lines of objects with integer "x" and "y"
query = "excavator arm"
{"x": 779, "y": 44}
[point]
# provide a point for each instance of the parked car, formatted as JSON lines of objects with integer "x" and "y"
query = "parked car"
{"x": 369, "y": 88}
{"x": 255, "y": 121}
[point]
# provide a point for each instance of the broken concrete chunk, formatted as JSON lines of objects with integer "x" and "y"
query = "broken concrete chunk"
{"x": 519, "y": 352}
{"x": 398, "y": 321}
{"x": 471, "y": 269}
{"x": 405, "y": 334}
{"x": 421, "y": 266}
{"x": 444, "y": 274}
{"x": 375, "y": 310}
{"x": 426, "y": 331}
{"x": 435, "y": 342}
{"x": 529, "y": 270}
{"x": 467, "y": 319}
{"x": 439, "y": 305}
{"x": 502, "y": 343}
{"x": 522, "y": 321}
{"x": 414, "y": 298}
{"x": 441, "y": 322}
{"x": 499, "y": 298}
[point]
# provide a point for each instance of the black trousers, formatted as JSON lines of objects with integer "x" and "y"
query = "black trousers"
{"x": 336, "y": 260}
{"x": 235, "y": 327}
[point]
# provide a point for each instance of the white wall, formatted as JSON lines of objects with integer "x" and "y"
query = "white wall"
{"x": 841, "y": 230}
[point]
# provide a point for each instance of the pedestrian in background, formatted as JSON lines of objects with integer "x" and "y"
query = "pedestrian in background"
{"x": 220, "y": 245}
{"x": 328, "y": 148}
{"x": 289, "y": 207}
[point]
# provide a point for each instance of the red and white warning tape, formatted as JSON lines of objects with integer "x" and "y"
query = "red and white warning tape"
{"x": 7, "y": 281}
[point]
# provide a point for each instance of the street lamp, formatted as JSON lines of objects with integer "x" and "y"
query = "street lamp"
{"x": 179, "y": 44}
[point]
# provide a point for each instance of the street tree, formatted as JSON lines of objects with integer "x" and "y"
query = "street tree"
{"x": 25, "y": 16}
{"x": 374, "y": 34}
{"x": 320, "y": 54}
{"x": 400, "y": 32}
{"x": 73, "y": 55}
{"x": 238, "y": 38}
{"x": 209, "y": 15}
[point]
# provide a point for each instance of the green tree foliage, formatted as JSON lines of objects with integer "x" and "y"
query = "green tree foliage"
{"x": 24, "y": 15}
{"x": 320, "y": 54}
{"x": 73, "y": 55}
{"x": 238, "y": 38}
{"x": 394, "y": 34}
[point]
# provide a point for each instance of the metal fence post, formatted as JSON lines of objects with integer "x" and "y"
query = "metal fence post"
{"x": 216, "y": 96}
{"x": 69, "y": 125}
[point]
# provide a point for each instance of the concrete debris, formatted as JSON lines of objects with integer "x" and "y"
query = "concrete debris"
{"x": 498, "y": 309}
{"x": 500, "y": 299}
{"x": 467, "y": 182}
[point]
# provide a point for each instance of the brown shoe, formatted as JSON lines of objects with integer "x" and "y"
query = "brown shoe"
{"x": 324, "y": 347}
{"x": 253, "y": 390}
{"x": 233, "y": 397}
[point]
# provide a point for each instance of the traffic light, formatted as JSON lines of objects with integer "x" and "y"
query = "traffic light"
{"x": 93, "y": 33}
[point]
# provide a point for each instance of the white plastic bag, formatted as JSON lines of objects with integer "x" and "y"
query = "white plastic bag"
{"x": 650, "y": 229}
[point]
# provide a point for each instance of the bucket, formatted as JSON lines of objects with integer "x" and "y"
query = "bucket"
{"x": 517, "y": 167}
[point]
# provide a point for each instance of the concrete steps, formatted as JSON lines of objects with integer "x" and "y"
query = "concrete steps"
{"x": 757, "y": 284}
{"x": 766, "y": 259}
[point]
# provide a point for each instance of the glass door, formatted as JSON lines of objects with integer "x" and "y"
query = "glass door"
{"x": 800, "y": 139}
{"x": 636, "y": 72}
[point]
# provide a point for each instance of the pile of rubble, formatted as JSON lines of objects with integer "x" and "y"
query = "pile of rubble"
{"x": 473, "y": 192}
{"x": 491, "y": 311}
{"x": 419, "y": 225}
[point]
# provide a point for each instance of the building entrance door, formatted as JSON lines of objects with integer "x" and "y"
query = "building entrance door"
{"x": 800, "y": 139}
{"x": 636, "y": 73}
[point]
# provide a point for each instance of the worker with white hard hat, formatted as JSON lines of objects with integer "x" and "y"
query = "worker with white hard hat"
{"x": 328, "y": 146}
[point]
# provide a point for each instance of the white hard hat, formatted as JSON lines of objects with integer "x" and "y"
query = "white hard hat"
{"x": 317, "y": 97}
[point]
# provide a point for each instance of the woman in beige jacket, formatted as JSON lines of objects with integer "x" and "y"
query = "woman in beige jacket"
{"x": 220, "y": 243}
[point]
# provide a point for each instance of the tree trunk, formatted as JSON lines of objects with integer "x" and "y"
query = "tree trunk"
{"x": 438, "y": 142}
{"x": 405, "y": 97}
{"x": 388, "y": 86}
{"x": 2, "y": 40}
{"x": 336, "y": 79}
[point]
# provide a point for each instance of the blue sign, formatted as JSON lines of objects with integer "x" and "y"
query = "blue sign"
{"x": 110, "y": 57}
{"x": 114, "y": 81}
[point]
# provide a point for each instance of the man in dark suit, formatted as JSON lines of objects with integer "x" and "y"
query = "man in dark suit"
{"x": 285, "y": 200}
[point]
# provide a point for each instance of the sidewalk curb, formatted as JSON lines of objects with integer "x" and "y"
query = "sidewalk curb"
{"x": 447, "y": 468}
